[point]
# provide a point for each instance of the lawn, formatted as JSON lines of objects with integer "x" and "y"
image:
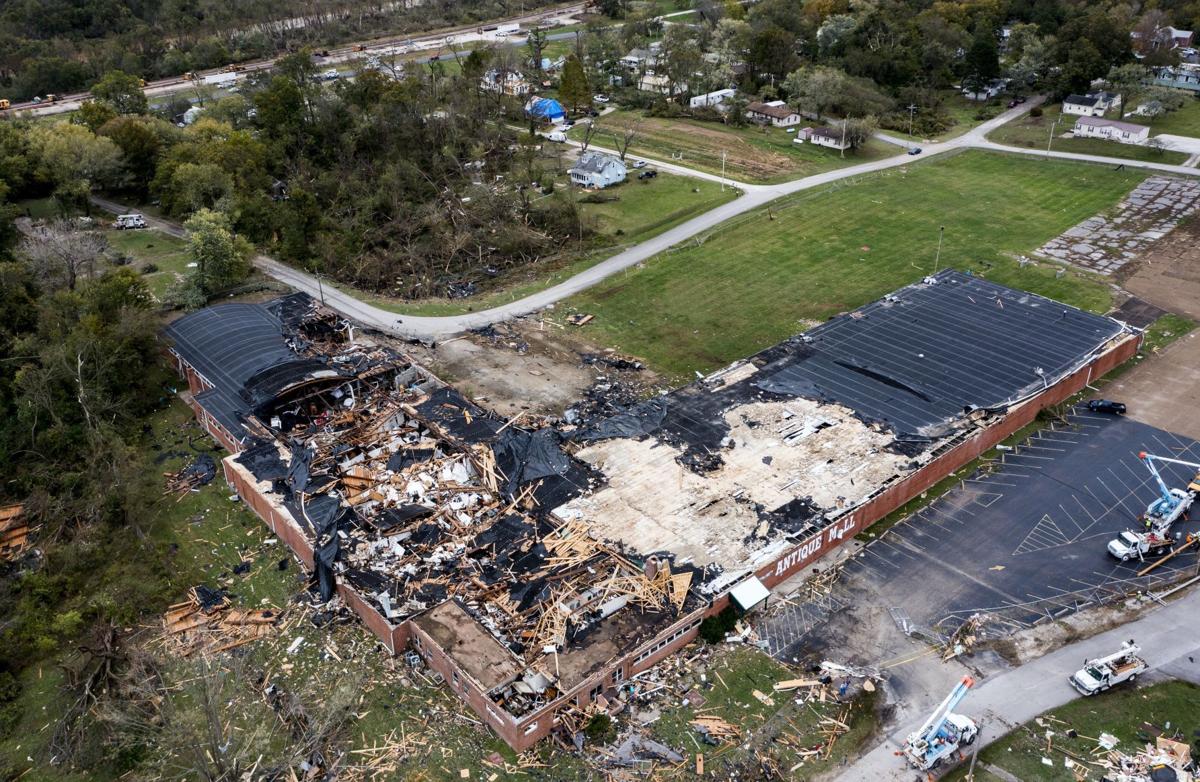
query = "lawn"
{"x": 639, "y": 210}
{"x": 1184, "y": 122}
{"x": 769, "y": 273}
{"x": 753, "y": 154}
{"x": 150, "y": 249}
{"x": 965, "y": 114}
{"x": 1034, "y": 133}
{"x": 1119, "y": 712}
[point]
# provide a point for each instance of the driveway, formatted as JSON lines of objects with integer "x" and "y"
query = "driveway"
{"x": 1017, "y": 696}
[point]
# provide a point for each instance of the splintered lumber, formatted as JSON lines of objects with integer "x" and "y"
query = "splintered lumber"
{"x": 14, "y": 531}
{"x": 715, "y": 727}
{"x": 795, "y": 684}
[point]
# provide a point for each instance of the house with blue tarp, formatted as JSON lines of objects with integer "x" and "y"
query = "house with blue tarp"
{"x": 545, "y": 109}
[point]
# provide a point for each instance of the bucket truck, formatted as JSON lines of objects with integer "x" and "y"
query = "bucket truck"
{"x": 1103, "y": 672}
{"x": 1172, "y": 503}
{"x": 943, "y": 732}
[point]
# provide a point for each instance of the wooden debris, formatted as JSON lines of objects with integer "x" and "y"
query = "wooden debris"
{"x": 580, "y": 319}
{"x": 191, "y": 628}
{"x": 14, "y": 531}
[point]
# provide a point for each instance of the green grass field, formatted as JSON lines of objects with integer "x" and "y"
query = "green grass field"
{"x": 1184, "y": 122}
{"x": 144, "y": 248}
{"x": 752, "y": 154}
{"x": 1119, "y": 712}
{"x": 767, "y": 274}
{"x": 1033, "y": 133}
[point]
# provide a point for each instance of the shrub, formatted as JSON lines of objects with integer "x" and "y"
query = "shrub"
{"x": 600, "y": 729}
{"x": 1036, "y": 111}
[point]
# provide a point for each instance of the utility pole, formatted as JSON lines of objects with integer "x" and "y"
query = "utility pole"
{"x": 912, "y": 110}
{"x": 321, "y": 289}
{"x": 938, "y": 258}
{"x": 843, "y": 144}
{"x": 1050, "y": 140}
{"x": 722, "y": 171}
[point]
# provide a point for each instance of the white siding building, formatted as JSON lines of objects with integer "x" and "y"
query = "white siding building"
{"x": 1111, "y": 130}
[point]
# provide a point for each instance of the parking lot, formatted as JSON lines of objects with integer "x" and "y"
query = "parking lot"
{"x": 1023, "y": 539}
{"x": 1026, "y": 539}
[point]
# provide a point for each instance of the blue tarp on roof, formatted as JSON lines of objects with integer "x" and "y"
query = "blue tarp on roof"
{"x": 545, "y": 108}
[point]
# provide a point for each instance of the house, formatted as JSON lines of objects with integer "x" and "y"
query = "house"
{"x": 834, "y": 138}
{"x": 775, "y": 113}
{"x": 1169, "y": 38}
{"x": 641, "y": 59}
{"x": 987, "y": 91}
{"x": 191, "y": 115}
{"x": 718, "y": 100}
{"x": 1112, "y": 130}
{"x": 1151, "y": 108}
{"x": 1185, "y": 76}
{"x": 507, "y": 82}
{"x": 596, "y": 169}
{"x": 545, "y": 109}
{"x": 1082, "y": 105}
{"x": 652, "y": 82}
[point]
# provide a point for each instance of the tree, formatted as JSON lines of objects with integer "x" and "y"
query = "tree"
{"x": 93, "y": 114}
{"x": 536, "y": 43}
{"x": 220, "y": 255}
{"x": 60, "y": 254}
{"x": 140, "y": 146}
{"x": 573, "y": 87}
{"x": 982, "y": 61}
{"x": 858, "y": 130}
{"x": 629, "y": 132}
{"x": 122, "y": 91}
{"x": 73, "y": 158}
{"x": 820, "y": 89}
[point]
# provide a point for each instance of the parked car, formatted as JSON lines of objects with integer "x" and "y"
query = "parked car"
{"x": 593, "y": 113}
{"x": 568, "y": 123}
{"x": 557, "y": 135}
{"x": 129, "y": 221}
{"x": 648, "y": 174}
{"x": 1106, "y": 406}
{"x": 331, "y": 75}
{"x": 639, "y": 164}
{"x": 600, "y": 98}
{"x": 913, "y": 151}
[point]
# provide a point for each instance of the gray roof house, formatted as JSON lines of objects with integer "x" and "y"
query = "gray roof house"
{"x": 596, "y": 169}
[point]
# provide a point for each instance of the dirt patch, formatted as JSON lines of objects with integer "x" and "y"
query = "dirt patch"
{"x": 705, "y": 144}
{"x": 530, "y": 365}
{"x": 1168, "y": 274}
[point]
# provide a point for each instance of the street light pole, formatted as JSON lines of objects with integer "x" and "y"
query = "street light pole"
{"x": 912, "y": 109}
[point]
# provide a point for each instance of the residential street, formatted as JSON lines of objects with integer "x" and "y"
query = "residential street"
{"x": 1025, "y": 692}
{"x": 433, "y": 328}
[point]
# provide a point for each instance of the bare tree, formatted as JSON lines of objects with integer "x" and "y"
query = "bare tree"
{"x": 60, "y": 253}
{"x": 589, "y": 131}
{"x": 628, "y": 133}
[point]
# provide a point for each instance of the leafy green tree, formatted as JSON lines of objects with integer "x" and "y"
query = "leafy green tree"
{"x": 140, "y": 147}
{"x": 221, "y": 256}
{"x": 573, "y": 88}
{"x": 122, "y": 91}
{"x": 982, "y": 61}
{"x": 73, "y": 159}
{"x": 822, "y": 89}
{"x": 94, "y": 114}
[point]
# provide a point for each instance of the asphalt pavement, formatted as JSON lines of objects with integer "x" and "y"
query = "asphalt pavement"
{"x": 1017, "y": 696}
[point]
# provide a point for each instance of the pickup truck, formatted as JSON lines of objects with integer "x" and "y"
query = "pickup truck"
{"x": 1098, "y": 675}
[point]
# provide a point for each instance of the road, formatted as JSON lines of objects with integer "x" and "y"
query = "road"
{"x": 754, "y": 196}
{"x": 1019, "y": 695}
{"x": 433, "y": 42}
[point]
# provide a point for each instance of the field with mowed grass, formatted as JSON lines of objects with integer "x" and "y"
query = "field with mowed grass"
{"x": 772, "y": 272}
{"x": 1120, "y": 712}
{"x": 752, "y": 153}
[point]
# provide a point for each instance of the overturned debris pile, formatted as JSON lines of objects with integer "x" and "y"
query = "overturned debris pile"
{"x": 208, "y": 623}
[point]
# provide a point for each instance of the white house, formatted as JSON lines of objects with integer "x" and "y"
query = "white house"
{"x": 1094, "y": 104}
{"x": 192, "y": 114}
{"x": 1112, "y": 130}
{"x": 775, "y": 113}
{"x": 652, "y": 82}
{"x": 596, "y": 169}
{"x": 834, "y": 138}
{"x": 508, "y": 82}
{"x": 718, "y": 100}
{"x": 1083, "y": 106}
{"x": 987, "y": 91}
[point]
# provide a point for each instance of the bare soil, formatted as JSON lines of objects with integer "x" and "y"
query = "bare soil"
{"x": 527, "y": 365}
{"x": 1165, "y": 390}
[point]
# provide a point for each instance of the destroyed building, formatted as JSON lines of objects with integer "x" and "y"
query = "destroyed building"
{"x": 537, "y": 567}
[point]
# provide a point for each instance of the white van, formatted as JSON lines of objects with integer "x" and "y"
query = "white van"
{"x": 129, "y": 221}
{"x": 557, "y": 135}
